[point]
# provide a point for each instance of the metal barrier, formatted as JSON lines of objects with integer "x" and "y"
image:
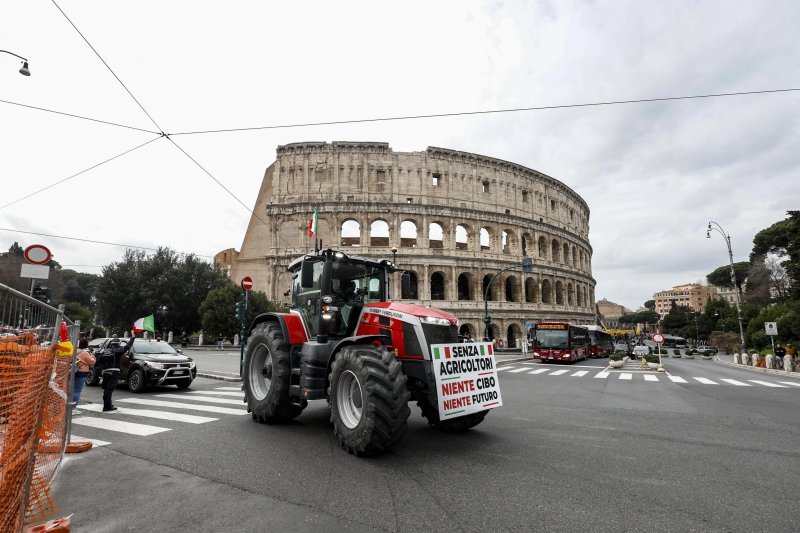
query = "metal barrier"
{"x": 36, "y": 376}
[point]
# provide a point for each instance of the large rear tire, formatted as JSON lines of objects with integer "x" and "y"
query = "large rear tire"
{"x": 369, "y": 399}
{"x": 267, "y": 372}
{"x": 93, "y": 377}
{"x": 454, "y": 425}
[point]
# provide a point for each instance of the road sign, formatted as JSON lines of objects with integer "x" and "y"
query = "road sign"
{"x": 658, "y": 338}
{"x": 771, "y": 328}
{"x": 247, "y": 283}
{"x": 37, "y": 254}
{"x": 34, "y": 271}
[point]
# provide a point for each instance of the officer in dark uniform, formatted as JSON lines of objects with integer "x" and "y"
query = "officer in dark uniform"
{"x": 115, "y": 350}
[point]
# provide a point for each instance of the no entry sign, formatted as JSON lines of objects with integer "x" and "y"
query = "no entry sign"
{"x": 37, "y": 254}
{"x": 658, "y": 338}
{"x": 247, "y": 283}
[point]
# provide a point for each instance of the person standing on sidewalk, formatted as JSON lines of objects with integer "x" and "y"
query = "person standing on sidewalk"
{"x": 84, "y": 359}
{"x": 220, "y": 340}
{"x": 780, "y": 351}
{"x": 113, "y": 354}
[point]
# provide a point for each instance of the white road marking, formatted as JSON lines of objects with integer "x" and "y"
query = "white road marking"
{"x": 650, "y": 377}
{"x": 118, "y": 425}
{"x": 229, "y": 388}
{"x": 625, "y": 375}
{"x": 558, "y": 372}
{"x": 95, "y": 442}
{"x": 796, "y": 384}
{"x": 530, "y": 363}
{"x": 516, "y": 370}
{"x": 190, "y": 406}
{"x": 602, "y": 375}
{"x": 539, "y": 371}
{"x": 678, "y": 379}
{"x": 239, "y": 394}
{"x": 200, "y": 398}
{"x": 768, "y": 384}
{"x": 150, "y": 413}
{"x": 734, "y": 382}
{"x": 705, "y": 381}
{"x": 579, "y": 373}
{"x": 499, "y": 368}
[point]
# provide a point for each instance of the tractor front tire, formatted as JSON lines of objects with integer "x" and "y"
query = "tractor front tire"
{"x": 369, "y": 399}
{"x": 266, "y": 376}
{"x": 454, "y": 425}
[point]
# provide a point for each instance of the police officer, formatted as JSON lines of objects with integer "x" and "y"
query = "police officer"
{"x": 113, "y": 353}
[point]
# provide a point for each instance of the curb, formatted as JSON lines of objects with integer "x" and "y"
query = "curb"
{"x": 220, "y": 376}
{"x": 782, "y": 373}
{"x": 515, "y": 360}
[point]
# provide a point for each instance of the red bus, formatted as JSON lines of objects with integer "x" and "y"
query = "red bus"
{"x": 560, "y": 341}
{"x": 601, "y": 343}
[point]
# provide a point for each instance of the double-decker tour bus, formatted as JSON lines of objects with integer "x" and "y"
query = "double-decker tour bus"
{"x": 601, "y": 344}
{"x": 560, "y": 341}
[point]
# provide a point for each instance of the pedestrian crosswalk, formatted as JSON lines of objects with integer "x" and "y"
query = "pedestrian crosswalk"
{"x": 578, "y": 372}
{"x": 146, "y": 416}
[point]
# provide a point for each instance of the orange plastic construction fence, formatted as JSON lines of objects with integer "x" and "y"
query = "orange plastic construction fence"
{"x": 33, "y": 410}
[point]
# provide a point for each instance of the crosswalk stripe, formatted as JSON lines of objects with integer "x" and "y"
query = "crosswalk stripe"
{"x": 118, "y": 426}
{"x": 602, "y": 375}
{"x": 539, "y": 371}
{"x": 625, "y": 375}
{"x": 678, "y": 379}
{"x": 650, "y": 377}
{"x": 734, "y": 382}
{"x": 768, "y": 384}
{"x": 190, "y": 406}
{"x": 229, "y": 388}
{"x": 200, "y": 398}
{"x": 795, "y": 384}
{"x": 516, "y": 370}
{"x": 150, "y": 413}
{"x": 239, "y": 394}
{"x": 579, "y": 373}
{"x": 706, "y": 381}
{"x": 499, "y": 368}
{"x": 558, "y": 372}
{"x": 530, "y": 363}
{"x": 95, "y": 442}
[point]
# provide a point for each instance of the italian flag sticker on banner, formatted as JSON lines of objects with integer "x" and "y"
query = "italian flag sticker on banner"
{"x": 145, "y": 324}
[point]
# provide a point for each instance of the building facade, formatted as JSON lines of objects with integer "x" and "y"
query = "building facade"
{"x": 692, "y": 295}
{"x": 611, "y": 313}
{"x": 455, "y": 219}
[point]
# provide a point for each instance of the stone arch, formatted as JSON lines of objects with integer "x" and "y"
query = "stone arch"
{"x": 462, "y": 237}
{"x": 512, "y": 289}
{"x": 542, "y": 248}
{"x": 555, "y": 251}
{"x": 559, "y": 292}
{"x": 513, "y": 334}
{"x": 379, "y": 233}
{"x": 486, "y": 239}
{"x": 465, "y": 286}
{"x": 493, "y": 296}
{"x": 579, "y": 295}
{"x": 508, "y": 241}
{"x": 586, "y": 301}
{"x": 566, "y": 254}
{"x": 574, "y": 257}
{"x": 438, "y": 282}
{"x": 526, "y": 243}
{"x": 547, "y": 292}
{"x": 350, "y": 233}
{"x": 570, "y": 294}
{"x": 408, "y": 234}
{"x": 412, "y": 292}
{"x": 530, "y": 291}
{"x": 468, "y": 328}
{"x": 435, "y": 235}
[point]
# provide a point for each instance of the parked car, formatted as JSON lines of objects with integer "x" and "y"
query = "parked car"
{"x": 148, "y": 363}
{"x": 622, "y": 347}
{"x": 640, "y": 351}
{"x": 710, "y": 350}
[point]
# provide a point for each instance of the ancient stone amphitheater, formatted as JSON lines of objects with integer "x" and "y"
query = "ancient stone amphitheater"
{"x": 455, "y": 218}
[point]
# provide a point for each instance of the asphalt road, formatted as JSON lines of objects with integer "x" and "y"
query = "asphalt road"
{"x": 568, "y": 451}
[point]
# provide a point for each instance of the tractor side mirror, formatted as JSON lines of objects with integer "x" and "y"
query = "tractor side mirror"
{"x": 405, "y": 282}
{"x": 307, "y": 275}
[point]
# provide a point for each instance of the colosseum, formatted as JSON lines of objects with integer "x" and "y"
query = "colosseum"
{"x": 455, "y": 219}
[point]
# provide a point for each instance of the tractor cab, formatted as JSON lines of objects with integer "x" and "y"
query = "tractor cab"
{"x": 330, "y": 289}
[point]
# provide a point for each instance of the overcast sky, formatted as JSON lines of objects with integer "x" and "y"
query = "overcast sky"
{"x": 653, "y": 174}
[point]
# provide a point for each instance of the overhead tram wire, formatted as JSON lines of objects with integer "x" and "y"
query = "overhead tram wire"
{"x": 72, "y": 115}
{"x": 79, "y": 173}
{"x": 485, "y": 112}
{"x": 92, "y": 241}
{"x": 160, "y": 130}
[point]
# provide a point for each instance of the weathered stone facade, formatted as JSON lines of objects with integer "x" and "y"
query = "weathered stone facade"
{"x": 455, "y": 218}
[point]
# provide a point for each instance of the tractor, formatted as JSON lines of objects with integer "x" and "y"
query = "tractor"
{"x": 344, "y": 340}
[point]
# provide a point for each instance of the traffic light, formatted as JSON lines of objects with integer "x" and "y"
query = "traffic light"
{"x": 41, "y": 293}
{"x": 240, "y": 311}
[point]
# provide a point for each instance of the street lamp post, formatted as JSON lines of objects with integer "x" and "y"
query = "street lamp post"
{"x": 24, "y": 70}
{"x": 527, "y": 268}
{"x": 716, "y": 227}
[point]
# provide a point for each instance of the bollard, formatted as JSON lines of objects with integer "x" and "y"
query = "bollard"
{"x": 770, "y": 359}
{"x": 737, "y": 359}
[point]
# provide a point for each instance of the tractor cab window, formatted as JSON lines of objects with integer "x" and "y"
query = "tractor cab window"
{"x": 306, "y": 300}
{"x": 357, "y": 283}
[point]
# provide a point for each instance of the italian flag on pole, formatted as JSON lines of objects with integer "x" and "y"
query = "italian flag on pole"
{"x": 145, "y": 324}
{"x": 312, "y": 223}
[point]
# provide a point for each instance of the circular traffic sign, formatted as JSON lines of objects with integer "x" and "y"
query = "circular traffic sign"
{"x": 37, "y": 254}
{"x": 247, "y": 283}
{"x": 658, "y": 338}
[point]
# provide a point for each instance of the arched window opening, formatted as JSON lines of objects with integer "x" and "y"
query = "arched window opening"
{"x": 351, "y": 233}
{"x": 513, "y": 334}
{"x": 462, "y": 238}
{"x": 379, "y": 233}
{"x": 547, "y": 292}
{"x": 542, "y": 248}
{"x": 464, "y": 287}
{"x": 408, "y": 234}
{"x": 437, "y": 286}
{"x": 486, "y": 240}
{"x": 526, "y": 244}
{"x": 467, "y": 330}
{"x": 435, "y": 235}
{"x": 559, "y": 293}
{"x": 574, "y": 257}
{"x": 504, "y": 242}
{"x": 566, "y": 254}
{"x": 530, "y": 290}
{"x": 408, "y": 286}
{"x": 570, "y": 294}
{"x": 490, "y": 296}
{"x": 580, "y": 296}
{"x": 512, "y": 289}
{"x": 555, "y": 255}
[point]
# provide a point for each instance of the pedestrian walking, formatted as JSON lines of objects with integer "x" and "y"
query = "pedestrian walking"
{"x": 112, "y": 357}
{"x": 220, "y": 340}
{"x": 84, "y": 359}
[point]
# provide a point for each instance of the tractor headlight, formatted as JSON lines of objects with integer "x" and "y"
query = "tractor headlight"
{"x": 435, "y": 320}
{"x": 327, "y": 300}
{"x": 154, "y": 364}
{"x": 326, "y": 312}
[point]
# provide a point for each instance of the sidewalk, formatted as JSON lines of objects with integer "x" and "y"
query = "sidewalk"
{"x": 727, "y": 359}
